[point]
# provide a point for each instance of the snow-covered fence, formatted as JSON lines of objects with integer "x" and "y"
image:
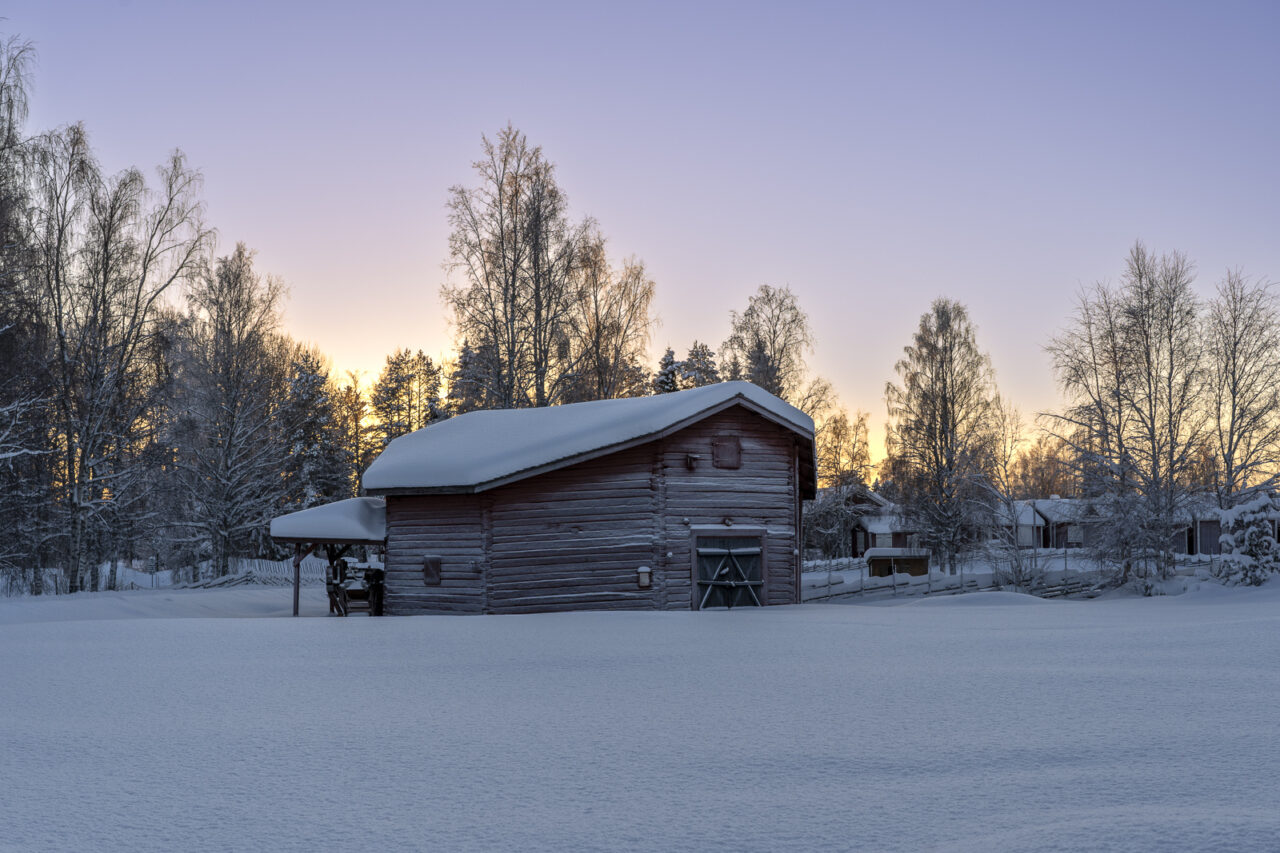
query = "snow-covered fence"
{"x": 262, "y": 573}
{"x": 829, "y": 578}
{"x": 1054, "y": 574}
{"x": 134, "y": 577}
{"x": 16, "y": 582}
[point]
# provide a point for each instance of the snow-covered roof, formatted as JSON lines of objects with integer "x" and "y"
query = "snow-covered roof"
{"x": 891, "y": 553}
{"x": 885, "y": 522}
{"x": 879, "y": 523}
{"x": 1024, "y": 511}
{"x": 1060, "y": 510}
{"x": 354, "y": 520}
{"x": 879, "y": 499}
{"x": 481, "y": 450}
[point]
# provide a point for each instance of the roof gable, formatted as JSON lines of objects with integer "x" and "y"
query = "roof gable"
{"x": 482, "y": 450}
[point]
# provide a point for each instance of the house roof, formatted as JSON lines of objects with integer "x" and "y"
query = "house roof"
{"x": 873, "y": 498}
{"x": 890, "y": 553}
{"x": 359, "y": 521}
{"x": 1024, "y": 511}
{"x": 482, "y": 450}
{"x": 1060, "y": 510}
{"x": 882, "y": 523}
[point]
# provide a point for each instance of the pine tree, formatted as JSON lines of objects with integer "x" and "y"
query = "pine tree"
{"x": 354, "y": 435}
{"x": 699, "y": 367}
{"x": 423, "y": 391}
{"x": 667, "y": 379}
{"x": 406, "y": 396}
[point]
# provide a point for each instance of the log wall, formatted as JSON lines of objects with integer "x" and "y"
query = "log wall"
{"x": 450, "y": 526}
{"x": 572, "y": 539}
{"x": 763, "y": 493}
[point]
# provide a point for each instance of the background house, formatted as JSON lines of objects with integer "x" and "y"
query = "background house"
{"x": 884, "y": 527}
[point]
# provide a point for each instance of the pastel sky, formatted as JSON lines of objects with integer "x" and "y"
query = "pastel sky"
{"x": 870, "y": 156}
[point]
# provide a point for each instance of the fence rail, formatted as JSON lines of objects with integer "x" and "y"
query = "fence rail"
{"x": 252, "y": 572}
{"x": 1046, "y": 574}
{"x": 243, "y": 572}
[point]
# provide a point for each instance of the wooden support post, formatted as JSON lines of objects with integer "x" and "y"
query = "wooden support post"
{"x": 297, "y": 575}
{"x": 300, "y": 553}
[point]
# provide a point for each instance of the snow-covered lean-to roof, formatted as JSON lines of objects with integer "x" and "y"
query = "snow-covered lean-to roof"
{"x": 359, "y": 521}
{"x": 481, "y": 450}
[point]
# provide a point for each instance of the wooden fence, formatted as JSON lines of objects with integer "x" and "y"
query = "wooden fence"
{"x": 1054, "y": 574}
{"x": 247, "y": 572}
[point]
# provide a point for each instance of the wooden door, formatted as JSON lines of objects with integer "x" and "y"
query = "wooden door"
{"x": 729, "y": 572}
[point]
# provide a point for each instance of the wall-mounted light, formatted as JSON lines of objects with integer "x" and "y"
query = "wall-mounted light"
{"x": 691, "y": 461}
{"x": 644, "y": 577}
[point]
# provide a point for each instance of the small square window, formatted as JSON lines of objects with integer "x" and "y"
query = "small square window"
{"x": 726, "y": 451}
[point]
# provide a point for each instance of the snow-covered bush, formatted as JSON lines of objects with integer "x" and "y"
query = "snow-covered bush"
{"x": 1250, "y": 553}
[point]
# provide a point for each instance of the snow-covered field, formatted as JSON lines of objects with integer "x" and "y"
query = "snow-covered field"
{"x": 989, "y": 721}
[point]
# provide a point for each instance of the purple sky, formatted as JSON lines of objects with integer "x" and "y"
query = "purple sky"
{"x": 872, "y": 157}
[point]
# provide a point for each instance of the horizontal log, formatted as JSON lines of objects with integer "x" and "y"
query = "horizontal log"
{"x": 474, "y": 602}
{"x": 502, "y": 566}
{"x": 443, "y": 544}
{"x": 597, "y": 527}
{"x": 616, "y": 580}
{"x": 403, "y": 584}
{"x": 398, "y": 607}
{"x": 568, "y": 546}
{"x": 516, "y": 572}
{"x": 570, "y": 607}
{"x": 573, "y": 599}
{"x": 763, "y": 494}
{"x": 634, "y": 505}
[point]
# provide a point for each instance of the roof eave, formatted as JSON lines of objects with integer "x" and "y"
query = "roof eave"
{"x": 311, "y": 540}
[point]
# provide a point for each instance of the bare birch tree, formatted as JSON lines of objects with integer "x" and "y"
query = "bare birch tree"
{"x": 611, "y": 326}
{"x": 768, "y": 343}
{"x": 107, "y": 250}
{"x": 843, "y": 450}
{"x": 940, "y": 427}
{"x": 1043, "y": 469}
{"x": 1008, "y": 514}
{"x": 232, "y": 372}
{"x": 1242, "y": 335}
{"x": 24, "y": 469}
{"x": 518, "y": 257}
{"x": 1132, "y": 367}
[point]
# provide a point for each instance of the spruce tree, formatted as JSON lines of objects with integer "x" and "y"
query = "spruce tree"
{"x": 472, "y": 380}
{"x": 699, "y": 367}
{"x": 667, "y": 379}
{"x": 1250, "y": 554}
{"x": 316, "y": 462}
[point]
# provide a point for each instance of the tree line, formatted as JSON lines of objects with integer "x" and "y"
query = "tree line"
{"x": 1172, "y": 409}
{"x": 153, "y": 408}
